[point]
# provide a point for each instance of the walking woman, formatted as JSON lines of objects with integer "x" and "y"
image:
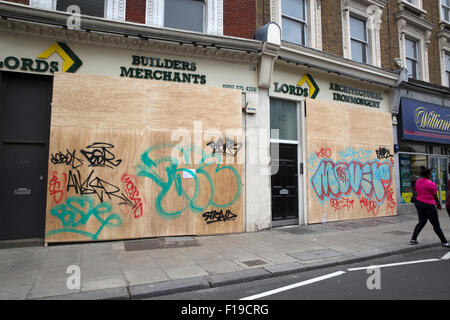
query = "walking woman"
{"x": 426, "y": 203}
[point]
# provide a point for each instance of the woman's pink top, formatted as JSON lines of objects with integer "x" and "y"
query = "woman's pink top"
{"x": 426, "y": 189}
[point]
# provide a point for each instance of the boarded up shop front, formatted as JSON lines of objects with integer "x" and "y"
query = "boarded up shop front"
{"x": 344, "y": 142}
{"x": 132, "y": 159}
{"x": 350, "y": 170}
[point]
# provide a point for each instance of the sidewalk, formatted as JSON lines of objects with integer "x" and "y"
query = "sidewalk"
{"x": 153, "y": 267}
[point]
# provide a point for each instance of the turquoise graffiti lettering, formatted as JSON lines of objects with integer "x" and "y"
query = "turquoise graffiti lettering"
{"x": 77, "y": 211}
{"x": 173, "y": 178}
{"x": 359, "y": 154}
{"x": 333, "y": 180}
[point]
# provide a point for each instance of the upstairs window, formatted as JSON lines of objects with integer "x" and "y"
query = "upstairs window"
{"x": 184, "y": 14}
{"x": 109, "y": 9}
{"x": 445, "y": 10}
{"x": 94, "y": 8}
{"x": 194, "y": 15}
{"x": 293, "y": 20}
{"x": 358, "y": 40}
{"x": 412, "y": 61}
{"x": 416, "y": 3}
{"x": 447, "y": 68}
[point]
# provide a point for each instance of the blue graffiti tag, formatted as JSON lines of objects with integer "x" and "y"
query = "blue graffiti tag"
{"x": 332, "y": 179}
{"x": 77, "y": 211}
{"x": 174, "y": 178}
{"x": 359, "y": 154}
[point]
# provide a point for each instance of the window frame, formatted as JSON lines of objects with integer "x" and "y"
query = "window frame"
{"x": 446, "y": 71}
{"x": 371, "y": 13}
{"x": 418, "y": 4}
{"x": 442, "y": 12}
{"x": 204, "y": 22}
{"x": 365, "y": 42}
{"x": 303, "y": 23}
{"x": 421, "y": 34}
{"x": 108, "y": 14}
{"x": 416, "y": 60}
{"x": 313, "y": 32}
{"x": 212, "y": 15}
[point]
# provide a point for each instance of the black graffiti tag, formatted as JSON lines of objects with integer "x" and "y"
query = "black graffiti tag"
{"x": 383, "y": 153}
{"x": 100, "y": 156}
{"x": 96, "y": 186}
{"x": 69, "y": 158}
{"x": 217, "y": 216}
{"x": 229, "y": 147}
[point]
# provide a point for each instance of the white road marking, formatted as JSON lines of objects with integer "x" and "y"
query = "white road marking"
{"x": 295, "y": 285}
{"x": 393, "y": 264}
{"x": 446, "y": 256}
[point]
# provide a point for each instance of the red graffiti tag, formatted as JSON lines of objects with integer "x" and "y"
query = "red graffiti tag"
{"x": 392, "y": 161}
{"x": 370, "y": 205}
{"x": 324, "y": 153}
{"x": 341, "y": 174}
{"x": 390, "y": 198}
{"x": 132, "y": 192}
{"x": 55, "y": 189}
{"x": 341, "y": 204}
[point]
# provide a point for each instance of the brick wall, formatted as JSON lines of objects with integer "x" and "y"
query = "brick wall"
{"x": 332, "y": 27}
{"x": 262, "y": 13}
{"x": 239, "y": 18}
{"x": 434, "y": 64}
{"x": 389, "y": 37}
{"x": 20, "y": 1}
{"x": 135, "y": 11}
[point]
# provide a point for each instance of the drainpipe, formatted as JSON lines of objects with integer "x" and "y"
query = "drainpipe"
{"x": 270, "y": 35}
{"x": 395, "y": 108}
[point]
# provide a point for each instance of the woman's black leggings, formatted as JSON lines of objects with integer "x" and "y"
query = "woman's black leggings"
{"x": 428, "y": 212}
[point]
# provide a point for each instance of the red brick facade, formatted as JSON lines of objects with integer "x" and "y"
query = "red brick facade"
{"x": 135, "y": 11}
{"x": 239, "y": 18}
{"x": 20, "y": 1}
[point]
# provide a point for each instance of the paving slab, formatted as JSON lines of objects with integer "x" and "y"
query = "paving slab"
{"x": 237, "y": 277}
{"x": 121, "y": 293}
{"x": 316, "y": 254}
{"x": 286, "y": 268}
{"x": 168, "y": 287}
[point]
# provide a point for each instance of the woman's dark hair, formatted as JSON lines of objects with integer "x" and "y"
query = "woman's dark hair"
{"x": 424, "y": 172}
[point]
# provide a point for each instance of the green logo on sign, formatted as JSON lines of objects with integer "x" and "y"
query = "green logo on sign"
{"x": 71, "y": 62}
{"x": 312, "y": 91}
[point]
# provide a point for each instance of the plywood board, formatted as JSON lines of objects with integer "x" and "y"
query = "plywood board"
{"x": 120, "y": 168}
{"x": 350, "y": 163}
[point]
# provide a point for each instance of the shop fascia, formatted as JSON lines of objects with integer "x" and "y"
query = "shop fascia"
{"x": 357, "y": 96}
{"x": 41, "y": 63}
{"x": 156, "y": 68}
{"x": 341, "y": 93}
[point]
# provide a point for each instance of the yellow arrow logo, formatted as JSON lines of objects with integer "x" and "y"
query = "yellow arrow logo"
{"x": 71, "y": 62}
{"x": 313, "y": 87}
